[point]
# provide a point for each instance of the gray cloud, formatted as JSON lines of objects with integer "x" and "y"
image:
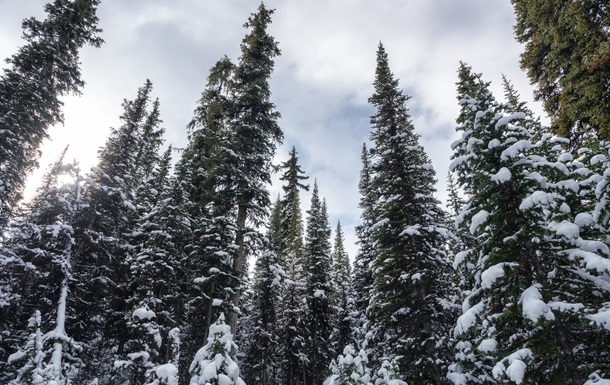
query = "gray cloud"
{"x": 321, "y": 83}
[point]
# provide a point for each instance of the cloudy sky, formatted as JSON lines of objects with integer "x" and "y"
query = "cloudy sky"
{"x": 321, "y": 81}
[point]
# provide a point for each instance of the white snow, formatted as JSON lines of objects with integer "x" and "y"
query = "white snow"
{"x": 466, "y": 320}
{"x": 502, "y": 176}
{"x": 516, "y": 366}
{"x": 515, "y": 149}
{"x": 477, "y": 220}
{"x": 602, "y": 317}
{"x": 488, "y": 345}
{"x": 143, "y": 314}
{"x": 318, "y": 293}
{"x": 584, "y": 219}
{"x": 566, "y": 229}
{"x": 533, "y": 306}
{"x": 217, "y": 302}
{"x": 489, "y": 276}
{"x": 168, "y": 373}
{"x": 503, "y": 121}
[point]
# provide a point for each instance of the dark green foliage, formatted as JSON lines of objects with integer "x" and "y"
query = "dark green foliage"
{"x": 40, "y": 73}
{"x": 567, "y": 55}
{"x": 409, "y": 311}
{"x": 341, "y": 297}
{"x": 317, "y": 268}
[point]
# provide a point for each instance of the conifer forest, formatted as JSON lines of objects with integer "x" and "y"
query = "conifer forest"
{"x": 177, "y": 266}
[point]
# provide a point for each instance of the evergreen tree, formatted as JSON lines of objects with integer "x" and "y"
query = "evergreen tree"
{"x": 363, "y": 263}
{"x": 156, "y": 269}
{"x": 455, "y": 201}
{"x": 104, "y": 244}
{"x": 45, "y": 240}
{"x": 213, "y": 363}
{"x": 567, "y": 55}
{"x": 341, "y": 297}
{"x": 409, "y": 311}
{"x": 351, "y": 368}
{"x": 207, "y": 185}
{"x": 257, "y": 135}
{"x": 261, "y": 330}
{"x": 294, "y": 305}
{"x": 317, "y": 268}
{"x": 524, "y": 318}
{"x": 292, "y": 176}
{"x": 40, "y": 73}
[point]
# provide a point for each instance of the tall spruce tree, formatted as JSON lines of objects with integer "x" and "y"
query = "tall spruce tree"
{"x": 108, "y": 219}
{"x": 408, "y": 313}
{"x": 40, "y": 73}
{"x": 363, "y": 263}
{"x": 261, "y": 327}
{"x": 341, "y": 297}
{"x": 294, "y": 306}
{"x": 257, "y": 135}
{"x": 205, "y": 179}
{"x": 528, "y": 213}
{"x": 567, "y": 55}
{"x": 318, "y": 263}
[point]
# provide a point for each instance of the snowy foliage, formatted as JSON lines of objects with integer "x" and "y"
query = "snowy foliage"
{"x": 213, "y": 364}
{"x": 351, "y": 368}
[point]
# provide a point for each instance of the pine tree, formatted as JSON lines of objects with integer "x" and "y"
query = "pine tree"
{"x": 526, "y": 207}
{"x": 341, "y": 297}
{"x": 409, "y": 311}
{"x": 318, "y": 262}
{"x": 213, "y": 363}
{"x": 40, "y": 73}
{"x": 567, "y": 55}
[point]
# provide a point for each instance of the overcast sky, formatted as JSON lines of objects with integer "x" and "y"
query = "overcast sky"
{"x": 321, "y": 81}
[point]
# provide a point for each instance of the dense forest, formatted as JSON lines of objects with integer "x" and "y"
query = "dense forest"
{"x": 176, "y": 266}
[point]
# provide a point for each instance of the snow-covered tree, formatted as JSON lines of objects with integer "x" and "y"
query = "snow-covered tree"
{"x": 261, "y": 327}
{"x": 45, "y": 240}
{"x": 341, "y": 297}
{"x": 351, "y": 368}
{"x": 410, "y": 313}
{"x": 525, "y": 319}
{"x": 318, "y": 263}
{"x": 363, "y": 263}
{"x": 39, "y": 74}
{"x": 213, "y": 363}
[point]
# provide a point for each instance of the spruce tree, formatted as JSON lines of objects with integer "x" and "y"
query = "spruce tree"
{"x": 261, "y": 328}
{"x": 294, "y": 306}
{"x": 567, "y": 55}
{"x": 108, "y": 221}
{"x": 213, "y": 363}
{"x": 363, "y": 263}
{"x": 257, "y": 135}
{"x": 408, "y": 314}
{"x": 317, "y": 268}
{"x": 351, "y": 368}
{"x": 45, "y": 240}
{"x": 341, "y": 297}
{"x": 524, "y": 316}
{"x": 39, "y": 74}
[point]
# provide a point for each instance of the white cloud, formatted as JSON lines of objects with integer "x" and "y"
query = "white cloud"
{"x": 321, "y": 83}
